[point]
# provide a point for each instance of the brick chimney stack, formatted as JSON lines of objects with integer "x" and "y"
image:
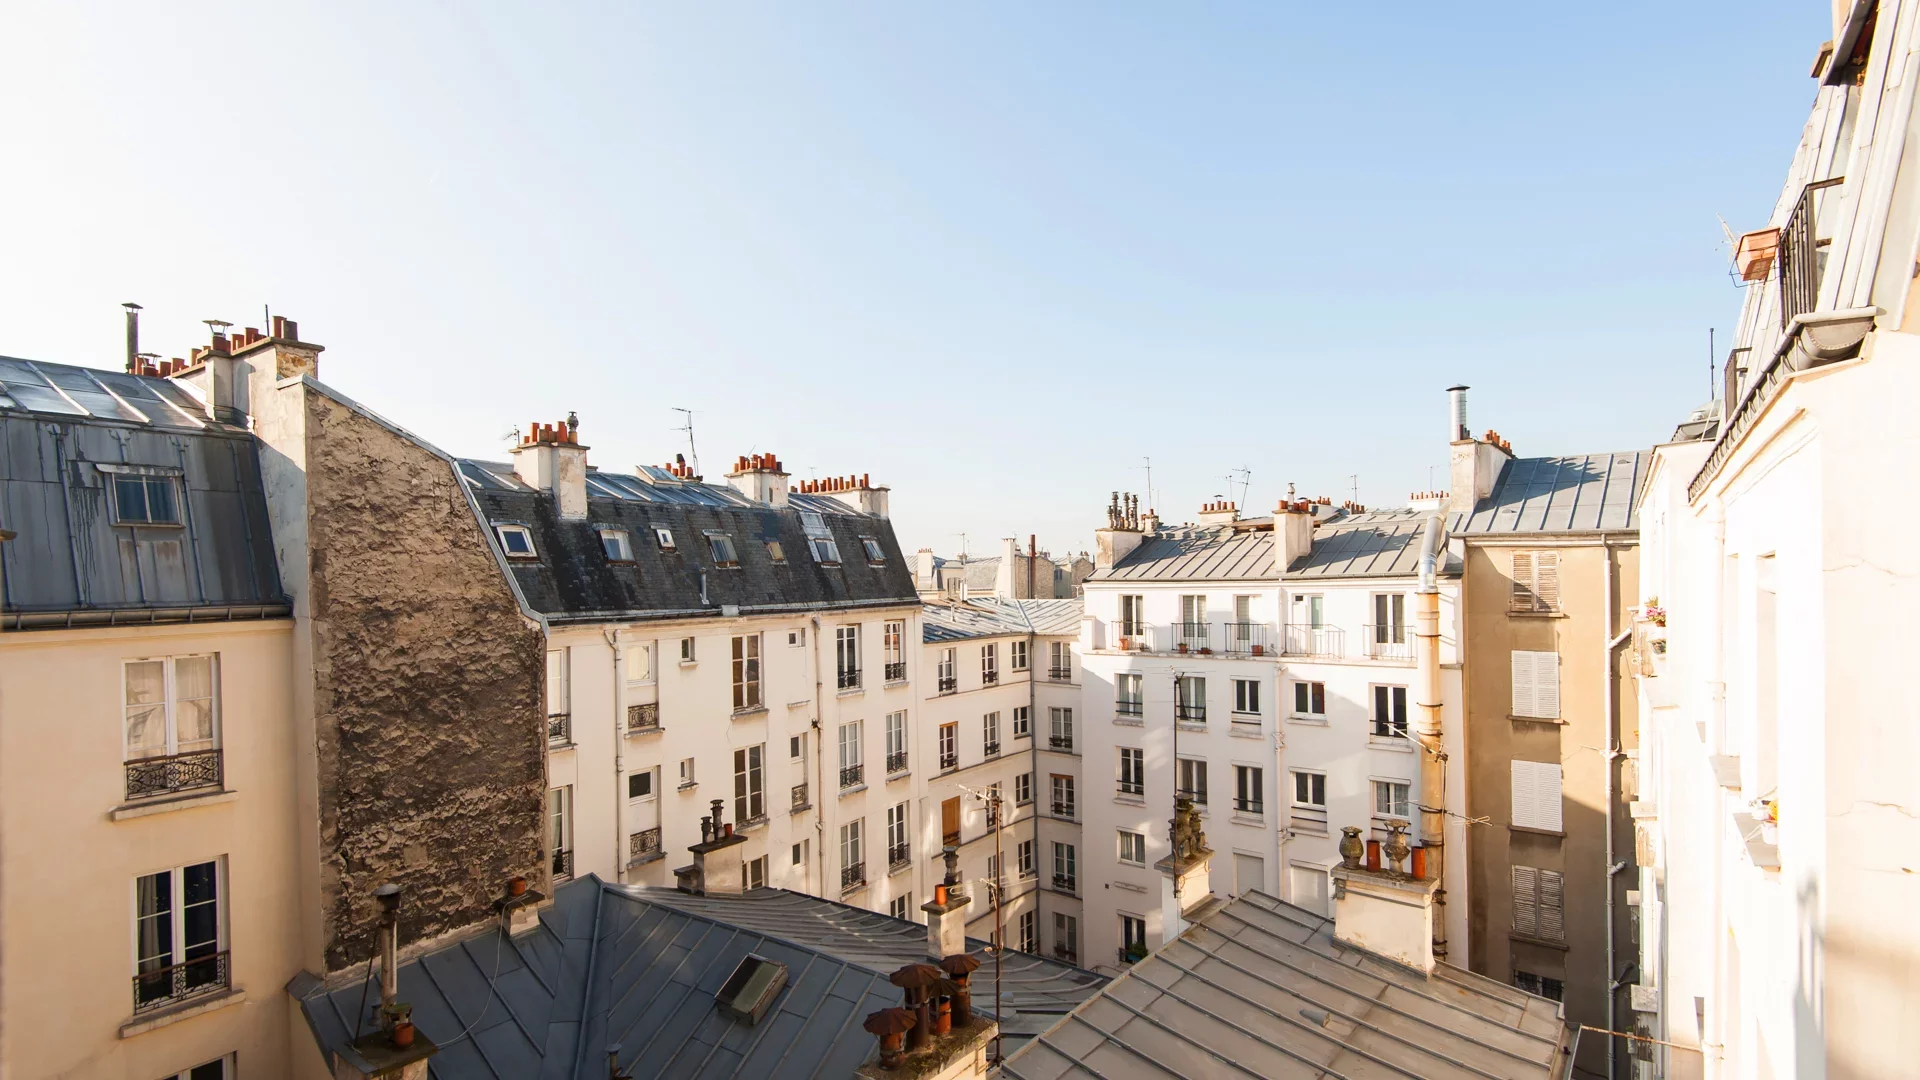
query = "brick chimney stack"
{"x": 551, "y": 459}
{"x": 858, "y": 491}
{"x": 762, "y": 478}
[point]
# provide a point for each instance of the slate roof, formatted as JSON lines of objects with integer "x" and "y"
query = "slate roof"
{"x": 1377, "y": 543}
{"x": 64, "y": 431}
{"x": 1260, "y": 988}
{"x": 572, "y": 577}
{"x": 992, "y": 616}
{"x": 1583, "y": 493}
{"x": 639, "y": 967}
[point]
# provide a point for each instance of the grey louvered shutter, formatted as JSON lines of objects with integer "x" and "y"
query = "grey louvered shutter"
{"x": 1526, "y": 902}
{"x": 1552, "y": 893}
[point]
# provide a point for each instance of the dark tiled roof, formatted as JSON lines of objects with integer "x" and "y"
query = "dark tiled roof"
{"x": 62, "y": 429}
{"x": 1583, "y": 493}
{"x": 640, "y": 967}
{"x": 1377, "y": 543}
{"x": 1259, "y": 988}
{"x": 572, "y": 576}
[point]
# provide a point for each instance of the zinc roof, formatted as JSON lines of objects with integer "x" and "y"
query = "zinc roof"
{"x": 1196, "y": 553}
{"x": 992, "y": 616}
{"x": 1582, "y": 493}
{"x": 1376, "y": 543}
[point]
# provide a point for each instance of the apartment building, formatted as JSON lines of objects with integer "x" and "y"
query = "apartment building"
{"x": 1778, "y": 812}
{"x": 1010, "y": 575}
{"x": 999, "y": 668}
{"x": 1550, "y": 571}
{"x": 148, "y": 913}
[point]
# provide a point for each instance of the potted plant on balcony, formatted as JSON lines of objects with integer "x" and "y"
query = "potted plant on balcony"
{"x": 1259, "y": 650}
{"x": 1182, "y": 647}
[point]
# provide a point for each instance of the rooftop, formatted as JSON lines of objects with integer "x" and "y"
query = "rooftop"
{"x": 1259, "y": 988}
{"x": 992, "y": 616}
{"x": 1377, "y": 543}
{"x": 1583, "y": 493}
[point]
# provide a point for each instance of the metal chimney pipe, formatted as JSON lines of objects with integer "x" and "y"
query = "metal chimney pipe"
{"x": 1457, "y": 408}
{"x": 389, "y": 897}
{"x": 1427, "y": 698}
{"x": 133, "y": 337}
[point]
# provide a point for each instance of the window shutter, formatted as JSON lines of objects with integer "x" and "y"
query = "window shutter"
{"x": 1552, "y": 923}
{"x": 1522, "y": 581}
{"x": 1523, "y": 696}
{"x": 1546, "y": 685}
{"x": 1546, "y": 580}
{"x": 1526, "y": 907}
{"x": 1536, "y": 795}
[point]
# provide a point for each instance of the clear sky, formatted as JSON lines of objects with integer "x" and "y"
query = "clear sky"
{"x": 993, "y": 254}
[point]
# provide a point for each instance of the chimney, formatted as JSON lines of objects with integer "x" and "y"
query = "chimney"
{"x": 858, "y": 492}
{"x": 760, "y": 477}
{"x": 946, "y": 913}
{"x": 133, "y": 337}
{"x": 261, "y": 361}
{"x": 1122, "y": 534}
{"x": 717, "y": 869}
{"x": 1293, "y": 521}
{"x": 1004, "y": 581}
{"x": 1219, "y": 512}
{"x": 395, "y": 1050}
{"x": 1185, "y": 878}
{"x": 923, "y": 571}
{"x": 215, "y": 376}
{"x": 1475, "y": 464}
{"x": 1386, "y": 912}
{"x": 551, "y": 459}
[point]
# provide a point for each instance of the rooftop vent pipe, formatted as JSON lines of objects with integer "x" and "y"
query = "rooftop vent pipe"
{"x": 1457, "y": 401}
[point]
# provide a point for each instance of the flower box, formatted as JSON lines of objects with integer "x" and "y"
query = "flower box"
{"x": 1754, "y": 254}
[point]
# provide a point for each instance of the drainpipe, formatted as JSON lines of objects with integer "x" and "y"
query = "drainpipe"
{"x": 1433, "y": 755}
{"x": 619, "y": 756}
{"x": 1608, "y": 702}
{"x": 819, "y": 765}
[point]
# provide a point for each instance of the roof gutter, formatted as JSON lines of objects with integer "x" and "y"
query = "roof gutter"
{"x": 729, "y": 612}
{"x": 150, "y": 616}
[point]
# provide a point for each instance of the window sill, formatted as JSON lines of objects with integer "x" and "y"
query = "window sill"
{"x": 854, "y": 790}
{"x": 1557, "y": 946}
{"x": 150, "y": 807}
{"x": 750, "y": 712}
{"x": 1307, "y": 830}
{"x": 688, "y": 663}
{"x": 852, "y": 691}
{"x": 636, "y": 732}
{"x": 689, "y": 785}
{"x": 1535, "y": 832}
{"x": 186, "y": 1010}
{"x": 1554, "y": 720}
{"x": 892, "y": 684}
{"x": 1245, "y": 731}
{"x": 752, "y": 824}
{"x": 1395, "y": 743}
{"x": 899, "y": 868}
{"x": 1192, "y": 725}
{"x": 901, "y": 775}
{"x": 656, "y": 856}
{"x": 556, "y": 747}
{"x": 1536, "y": 614}
{"x": 1241, "y": 818}
{"x": 1316, "y": 721}
{"x": 801, "y": 809}
{"x": 1130, "y": 800}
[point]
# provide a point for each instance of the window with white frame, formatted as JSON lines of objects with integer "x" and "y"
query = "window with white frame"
{"x": 1390, "y": 799}
{"x": 639, "y": 660}
{"x": 1389, "y": 712}
{"x": 687, "y": 779}
{"x": 1133, "y": 771}
{"x": 853, "y": 852}
{"x": 720, "y": 545}
{"x": 1310, "y": 699}
{"x": 1022, "y": 721}
{"x": 1536, "y": 684}
{"x": 1249, "y": 789}
{"x": 1536, "y": 581}
{"x": 898, "y": 851}
{"x": 1246, "y": 697}
{"x": 947, "y": 671}
{"x": 901, "y": 907}
{"x": 686, "y": 650}
{"x": 516, "y": 541}
{"x": 1309, "y": 789}
{"x": 1133, "y": 616}
{"x": 990, "y": 733}
{"x": 819, "y": 538}
{"x": 1063, "y": 795}
{"x": 1060, "y": 731}
{"x": 1133, "y": 938}
{"x": 1190, "y": 698}
{"x": 560, "y": 830}
{"x": 664, "y": 537}
{"x": 1023, "y": 789}
{"x": 1191, "y": 775}
{"x": 144, "y": 499}
{"x": 746, "y": 672}
{"x": 1017, "y": 655}
{"x": 1066, "y": 935}
{"x": 1389, "y": 635}
{"x": 559, "y": 692}
{"x": 171, "y": 722}
{"x": 875, "y": 553}
{"x": 990, "y": 663}
{"x": 750, "y": 784}
{"x": 852, "y": 768}
{"x": 797, "y": 638}
{"x": 179, "y": 934}
{"x": 949, "y": 739}
{"x": 1023, "y": 858}
{"x": 1537, "y": 795}
{"x": 1129, "y": 695}
{"x": 755, "y": 872}
{"x": 896, "y": 732}
{"x": 1059, "y": 661}
{"x": 1133, "y": 847}
{"x": 1065, "y": 871}
{"x": 1029, "y": 932}
{"x": 615, "y": 545}
{"x": 893, "y": 641}
{"x": 846, "y": 656}
{"x": 643, "y": 786}
{"x": 1538, "y": 903}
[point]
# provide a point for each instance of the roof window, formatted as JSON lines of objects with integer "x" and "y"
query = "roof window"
{"x": 144, "y": 500}
{"x": 825, "y": 552}
{"x": 875, "y": 553}
{"x": 615, "y": 545}
{"x": 776, "y": 552}
{"x": 516, "y": 541}
{"x": 750, "y": 991}
{"x": 665, "y": 536}
{"x": 722, "y": 547}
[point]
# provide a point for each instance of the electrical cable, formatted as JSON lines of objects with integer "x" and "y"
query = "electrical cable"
{"x": 506, "y": 942}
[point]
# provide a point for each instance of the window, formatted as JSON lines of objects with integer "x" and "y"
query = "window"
{"x": 1246, "y": 696}
{"x": 819, "y": 539}
{"x": 1536, "y": 795}
{"x": 560, "y": 830}
{"x": 212, "y": 1070}
{"x": 1065, "y": 875}
{"x": 1249, "y": 789}
{"x": 950, "y": 822}
{"x": 893, "y": 643}
{"x": 721, "y": 545}
{"x": 901, "y": 907}
{"x": 1540, "y": 985}
{"x": 1133, "y": 616}
{"x": 1192, "y": 778}
{"x": 686, "y": 650}
{"x": 1536, "y": 684}
{"x": 1133, "y": 939}
{"x": 640, "y": 785}
{"x": 171, "y": 710}
{"x": 1309, "y": 788}
{"x": 1133, "y": 770}
{"x": 559, "y": 698}
{"x": 686, "y": 773}
{"x": 615, "y": 545}
{"x": 989, "y": 664}
{"x": 1538, "y": 903}
{"x": 1023, "y": 789}
{"x": 853, "y": 854}
{"x": 639, "y": 664}
{"x": 1390, "y": 799}
{"x": 746, "y": 672}
{"x": 1133, "y": 848}
{"x": 1023, "y": 858}
{"x": 149, "y": 500}
{"x": 800, "y": 853}
{"x": 1536, "y": 581}
{"x": 749, "y": 784}
{"x": 1192, "y": 630}
{"x": 896, "y": 732}
{"x": 1190, "y": 698}
{"x": 1128, "y": 695}
{"x": 1022, "y": 721}
{"x": 990, "y": 733}
{"x": 664, "y": 536}
{"x": 1030, "y": 931}
{"x": 1309, "y": 699}
{"x": 898, "y": 851}
{"x": 852, "y": 769}
{"x": 179, "y": 929}
{"x": 1387, "y": 637}
{"x": 846, "y": 654}
{"x": 776, "y": 552}
{"x": 1316, "y": 606}
{"x": 1060, "y": 661}
{"x": 797, "y": 639}
{"x": 1017, "y": 655}
{"x": 755, "y": 872}
{"x": 875, "y": 554}
{"x": 949, "y": 746}
{"x": 516, "y": 541}
{"x": 1066, "y": 935}
{"x": 1390, "y": 712}
{"x": 947, "y": 671}
{"x": 1060, "y": 732}
{"x": 1063, "y": 799}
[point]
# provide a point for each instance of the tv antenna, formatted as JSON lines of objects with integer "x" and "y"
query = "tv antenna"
{"x": 1353, "y": 484}
{"x": 1245, "y": 480}
{"x": 1149, "y": 467}
{"x": 693, "y": 456}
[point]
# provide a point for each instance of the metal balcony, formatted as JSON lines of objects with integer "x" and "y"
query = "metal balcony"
{"x": 853, "y": 876}
{"x": 800, "y": 799}
{"x": 899, "y": 857}
{"x": 643, "y": 719}
{"x": 989, "y": 678}
{"x": 644, "y": 846}
{"x": 1064, "y": 883}
{"x": 559, "y": 729}
{"x": 562, "y": 864}
{"x": 991, "y": 749}
{"x": 849, "y": 678}
{"x": 1318, "y": 641}
{"x": 1190, "y": 712}
{"x": 192, "y": 978}
{"x": 1063, "y": 809}
{"x": 949, "y": 761}
{"x": 852, "y": 775}
{"x": 1060, "y": 742}
{"x": 948, "y": 684}
{"x": 897, "y": 671}
{"x": 1060, "y": 674}
{"x": 147, "y": 777}
{"x": 1132, "y": 709}
{"x": 1192, "y": 637}
{"x": 1387, "y": 641}
{"x": 1133, "y": 787}
{"x": 896, "y": 762}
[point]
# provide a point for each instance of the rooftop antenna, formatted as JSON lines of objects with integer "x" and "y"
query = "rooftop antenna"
{"x": 1353, "y": 482}
{"x": 693, "y": 456}
{"x": 1246, "y": 480}
{"x": 1149, "y": 467}
{"x": 1710, "y": 385}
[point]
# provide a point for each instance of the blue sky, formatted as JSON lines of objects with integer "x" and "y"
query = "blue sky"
{"x": 992, "y": 254}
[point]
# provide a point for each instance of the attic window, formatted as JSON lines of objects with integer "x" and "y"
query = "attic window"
{"x": 776, "y": 552}
{"x": 722, "y": 547}
{"x": 825, "y": 552}
{"x": 615, "y": 545}
{"x": 750, "y": 991}
{"x": 665, "y": 536}
{"x": 875, "y": 554}
{"x": 516, "y": 541}
{"x": 144, "y": 500}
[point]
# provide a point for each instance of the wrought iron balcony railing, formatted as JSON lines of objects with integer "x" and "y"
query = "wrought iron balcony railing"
{"x": 1385, "y": 727}
{"x": 949, "y": 760}
{"x": 849, "y": 678}
{"x": 1388, "y": 641}
{"x": 559, "y": 728}
{"x": 191, "y": 978}
{"x": 1799, "y": 255}
{"x": 852, "y": 775}
{"x": 1061, "y": 952}
{"x": 950, "y": 839}
{"x": 1198, "y": 797}
{"x": 562, "y": 864}
{"x": 1316, "y": 641}
{"x": 989, "y": 678}
{"x": 1062, "y": 809}
{"x": 1134, "y": 709}
{"x": 1191, "y": 637}
{"x": 1064, "y": 883}
{"x": 853, "y": 876}
{"x": 1245, "y": 639}
{"x": 948, "y": 684}
{"x": 644, "y": 846}
{"x": 1060, "y": 742}
{"x": 896, "y": 762}
{"x": 899, "y": 856}
{"x": 642, "y": 719}
{"x": 147, "y": 777}
{"x": 1249, "y": 806}
{"x": 1133, "y": 787}
{"x": 991, "y": 749}
{"x": 897, "y": 671}
{"x": 800, "y": 800}
{"x": 1060, "y": 674}
{"x": 1194, "y": 712}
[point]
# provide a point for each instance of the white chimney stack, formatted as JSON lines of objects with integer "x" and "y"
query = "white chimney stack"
{"x": 552, "y": 460}
{"x": 1475, "y": 464}
{"x": 760, "y": 477}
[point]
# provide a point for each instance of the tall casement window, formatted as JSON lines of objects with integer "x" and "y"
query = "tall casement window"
{"x": 560, "y": 830}
{"x": 1022, "y": 721}
{"x": 820, "y": 540}
{"x": 893, "y": 636}
{"x": 1063, "y": 795}
{"x": 171, "y": 722}
{"x": 1133, "y": 847}
{"x": 1389, "y": 637}
{"x": 1536, "y": 581}
{"x": 899, "y": 852}
{"x": 896, "y": 742}
{"x": 1059, "y": 661}
{"x": 1309, "y": 813}
{"x": 1191, "y": 775}
{"x": 749, "y": 784}
{"x": 1246, "y": 697}
{"x": 990, "y": 734}
{"x": 1536, "y": 684}
{"x": 1129, "y": 698}
{"x": 559, "y": 698}
{"x": 1133, "y": 771}
{"x": 1538, "y": 903}
{"x": 1023, "y": 789}
{"x": 1133, "y": 616}
{"x": 1066, "y": 936}
{"x": 949, "y": 746}
{"x": 846, "y": 656}
{"x": 950, "y": 822}
{"x": 1060, "y": 731}
{"x": 1190, "y": 699}
{"x": 1066, "y": 875}
{"x": 1017, "y": 655}
{"x": 1133, "y": 939}
{"x": 1249, "y": 789}
{"x": 901, "y": 907}
{"x": 754, "y": 872}
{"x": 990, "y": 663}
{"x": 1390, "y": 712}
{"x": 1536, "y": 795}
{"x": 1023, "y": 858}
{"x": 746, "y": 672}
{"x": 947, "y": 671}
{"x": 1391, "y": 799}
{"x": 853, "y": 854}
{"x": 852, "y": 769}
{"x": 179, "y": 934}
{"x": 1310, "y": 699}
{"x": 1029, "y": 932}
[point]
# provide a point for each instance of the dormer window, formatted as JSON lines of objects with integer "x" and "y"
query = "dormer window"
{"x": 776, "y": 552}
{"x": 825, "y": 552}
{"x": 820, "y": 539}
{"x": 875, "y": 554}
{"x": 516, "y": 541}
{"x": 144, "y": 500}
{"x": 722, "y": 547}
{"x": 615, "y": 545}
{"x": 665, "y": 536}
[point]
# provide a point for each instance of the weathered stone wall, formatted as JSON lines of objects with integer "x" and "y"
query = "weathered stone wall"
{"x": 428, "y": 680}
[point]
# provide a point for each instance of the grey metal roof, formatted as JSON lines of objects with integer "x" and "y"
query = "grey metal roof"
{"x": 992, "y": 616}
{"x": 1376, "y": 543}
{"x": 639, "y": 967}
{"x": 1583, "y": 493}
{"x": 1196, "y": 553}
{"x": 1259, "y": 988}
{"x": 63, "y": 432}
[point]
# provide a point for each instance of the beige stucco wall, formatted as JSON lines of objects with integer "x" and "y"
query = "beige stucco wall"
{"x": 67, "y": 871}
